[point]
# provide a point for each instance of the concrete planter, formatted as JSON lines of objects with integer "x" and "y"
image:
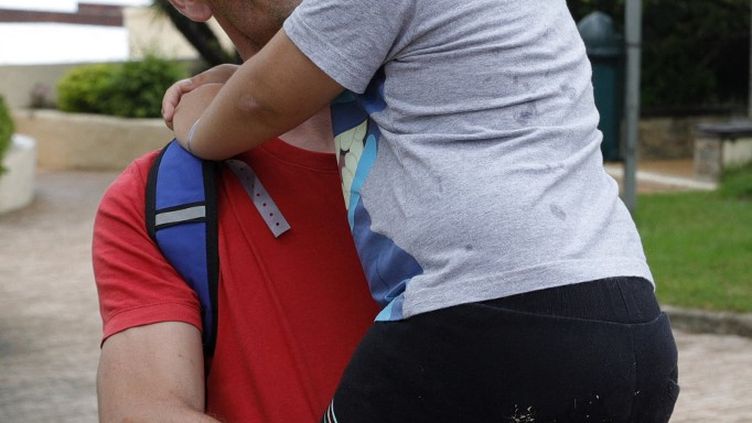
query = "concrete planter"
{"x": 90, "y": 142}
{"x": 17, "y": 182}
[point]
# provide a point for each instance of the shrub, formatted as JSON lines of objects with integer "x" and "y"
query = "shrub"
{"x": 86, "y": 89}
{"x": 133, "y": 89}
{"x": 139, "y": 87}
{"x": 6, "y": 130}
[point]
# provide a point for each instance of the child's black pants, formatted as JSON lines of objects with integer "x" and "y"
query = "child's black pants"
{"x": 599, "y": 351}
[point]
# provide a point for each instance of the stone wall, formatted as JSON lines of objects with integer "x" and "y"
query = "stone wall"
{"x": 714, "y": 155}
{"x": 670, "y": 137}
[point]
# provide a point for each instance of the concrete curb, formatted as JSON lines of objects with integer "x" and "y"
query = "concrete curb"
{"x": 700, "y": 321}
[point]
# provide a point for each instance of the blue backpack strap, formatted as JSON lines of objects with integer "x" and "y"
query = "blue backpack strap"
{"x": 181, "y": 218}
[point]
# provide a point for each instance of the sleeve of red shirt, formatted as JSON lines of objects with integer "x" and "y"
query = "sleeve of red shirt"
{"x": 136, "y": 285}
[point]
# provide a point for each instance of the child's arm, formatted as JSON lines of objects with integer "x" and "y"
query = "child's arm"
{"x": 218, "y": 74}
{"x": 271, "y": 93}
{"x": 192, "y": 104}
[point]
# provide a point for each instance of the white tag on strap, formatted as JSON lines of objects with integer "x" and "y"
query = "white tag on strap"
{"x": 260, "y": 197}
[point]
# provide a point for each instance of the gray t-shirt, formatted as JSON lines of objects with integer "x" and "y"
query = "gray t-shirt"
{"x": 469, "y": 148}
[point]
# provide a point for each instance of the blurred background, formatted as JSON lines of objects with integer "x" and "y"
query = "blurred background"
{"x": 81, "y": 84}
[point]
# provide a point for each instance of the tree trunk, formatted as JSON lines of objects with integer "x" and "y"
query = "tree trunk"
{"x": 199, "y": 35}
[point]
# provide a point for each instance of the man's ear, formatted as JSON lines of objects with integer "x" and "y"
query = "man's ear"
{"x": 195, "y": 10}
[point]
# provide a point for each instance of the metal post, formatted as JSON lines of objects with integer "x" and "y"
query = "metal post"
{"x": 749, "y": 100}
{"x": 633, "y": 26}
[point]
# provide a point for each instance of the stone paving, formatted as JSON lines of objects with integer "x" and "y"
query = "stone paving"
{"x": 50, "y": 327}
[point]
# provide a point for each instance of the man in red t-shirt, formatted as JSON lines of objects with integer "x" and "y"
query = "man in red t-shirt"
{"x": 291, "y": 309}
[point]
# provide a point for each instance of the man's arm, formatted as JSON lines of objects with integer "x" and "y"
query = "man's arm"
{"x": 151, "y": 367}
{"x": 152, "y": 373}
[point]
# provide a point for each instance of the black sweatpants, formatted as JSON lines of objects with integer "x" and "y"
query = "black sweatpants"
{"x": 598, "y": 351}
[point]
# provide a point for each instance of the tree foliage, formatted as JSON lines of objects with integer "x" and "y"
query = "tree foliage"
{"x": 695, "y": 52}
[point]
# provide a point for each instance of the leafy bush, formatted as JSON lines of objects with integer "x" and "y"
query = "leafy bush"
{"x": 133, "y": 89}
{"x": 6, "y": 130}
{"x": 86, "y": 89}
{"x": 139, "y": 87}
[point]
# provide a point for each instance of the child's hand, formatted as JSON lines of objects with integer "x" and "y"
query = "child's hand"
{"x": 171, "y": 99}
{"x": 192, "y": 105}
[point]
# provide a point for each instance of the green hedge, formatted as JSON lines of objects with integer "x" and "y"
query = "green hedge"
{"x": 132, "y": 89}
{"x": 6, "y": 130}
{"x": 695, "y": 52}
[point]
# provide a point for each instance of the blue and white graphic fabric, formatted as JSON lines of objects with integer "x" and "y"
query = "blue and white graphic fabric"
{"x": 387, "y": 266}
{"x": 469, "y": 148}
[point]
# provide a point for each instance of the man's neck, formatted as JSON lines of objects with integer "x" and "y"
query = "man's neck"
{"x": 315, "y": 134}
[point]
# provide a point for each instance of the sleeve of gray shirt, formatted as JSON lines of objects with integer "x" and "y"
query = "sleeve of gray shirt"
{"x": 349, "y": 40}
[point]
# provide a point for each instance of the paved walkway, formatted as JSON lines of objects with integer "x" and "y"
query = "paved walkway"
{"x": 662, "y": 175}
{"x": 49, "y": 321}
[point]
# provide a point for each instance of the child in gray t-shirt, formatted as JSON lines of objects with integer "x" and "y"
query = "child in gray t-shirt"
{"x": 467, "y": 140}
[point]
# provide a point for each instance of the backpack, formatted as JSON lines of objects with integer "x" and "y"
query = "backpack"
{"x": 181, "y": 219}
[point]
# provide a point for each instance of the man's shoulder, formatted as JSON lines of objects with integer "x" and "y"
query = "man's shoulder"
{"x": 137, "y": 286}
{"x": 138, "y": 170}
{"x": 129, "y": 187}
{"x": 145, "y": 161}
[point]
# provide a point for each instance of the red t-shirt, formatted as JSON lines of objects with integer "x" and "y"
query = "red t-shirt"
{"x": 291, "y": 309}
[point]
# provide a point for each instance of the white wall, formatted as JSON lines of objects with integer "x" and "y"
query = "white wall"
{"x": 47, "y": 43}
{"x": 63, "y": 5}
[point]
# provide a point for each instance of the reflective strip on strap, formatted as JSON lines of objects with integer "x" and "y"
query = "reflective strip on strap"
{"x": 330, "y": 417}
{"x": 260, "y": 197}
{"x": 181, "y": 215}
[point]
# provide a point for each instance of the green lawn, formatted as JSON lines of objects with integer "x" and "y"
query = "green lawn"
{"x": 699, "y": 244}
